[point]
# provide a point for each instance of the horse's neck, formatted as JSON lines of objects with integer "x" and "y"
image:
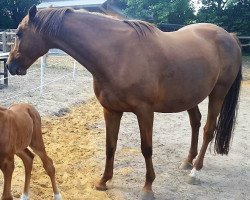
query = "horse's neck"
{"x": 88, "y": 38}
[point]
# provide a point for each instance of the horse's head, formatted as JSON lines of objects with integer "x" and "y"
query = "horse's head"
{"x": 28, "y": 47}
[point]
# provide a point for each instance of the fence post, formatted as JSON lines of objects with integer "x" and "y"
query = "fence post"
{"x": 4, "y": 42}
{"x": 5, "y": 73}
{"x": 42, "y": 74}
{"x": 74, "y": 70}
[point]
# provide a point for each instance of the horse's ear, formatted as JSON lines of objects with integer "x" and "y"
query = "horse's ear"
{"x": 32, "y": 12}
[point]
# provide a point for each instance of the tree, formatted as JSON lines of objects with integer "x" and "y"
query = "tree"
{"x": 160, "y": 11}
{"x": 233, "y": 15}
{"x": 13, "y": 11}
{"x": 182, "y": 12}
{"x": 238, "y": 17}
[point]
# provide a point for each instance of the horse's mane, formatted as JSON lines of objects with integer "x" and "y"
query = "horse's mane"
{"x": 140, "y": 27}
{"x": 49, "y": 20}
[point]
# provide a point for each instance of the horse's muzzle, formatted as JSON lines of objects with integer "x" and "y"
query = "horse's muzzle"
{"x": 14, "y": 69}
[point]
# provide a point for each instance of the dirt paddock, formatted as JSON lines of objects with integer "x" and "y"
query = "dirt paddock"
{"x": 76, "y": 143}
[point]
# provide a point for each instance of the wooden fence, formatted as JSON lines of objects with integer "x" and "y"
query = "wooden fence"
{"x": 7, "y": 39}
{"x": 245, "y": 41}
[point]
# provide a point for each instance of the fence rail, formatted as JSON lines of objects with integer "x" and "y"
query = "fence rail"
{"x": 7, "y": 39}
{"x": 245, "y": 38}
{"x": 56, "y": 88}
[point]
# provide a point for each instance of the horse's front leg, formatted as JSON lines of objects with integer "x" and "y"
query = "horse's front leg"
{"x": 7, "y": 167}
{"x": 195, "y": 122}
{"x": 112, "y": 120}
{"x": 145, "y": 117}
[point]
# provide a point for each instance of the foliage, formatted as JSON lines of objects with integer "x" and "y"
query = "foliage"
{"x": 160, "y": 11}
{"x": 233, "y": 15}
{"x": 13, "y": 11}
{"x": 238, "y": 18}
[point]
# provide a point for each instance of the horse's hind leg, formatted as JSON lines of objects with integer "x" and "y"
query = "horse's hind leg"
{"x": 27, "y": 158}
{"x": 112, "y": 120}
{"x": 7, "y": 167}
{"x": 214, "y": 107}
{"x": 38, "y": 147}
{"x": 195, "y": 122}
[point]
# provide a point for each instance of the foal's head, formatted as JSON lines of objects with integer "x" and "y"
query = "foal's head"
{"x": 28, "y": 47}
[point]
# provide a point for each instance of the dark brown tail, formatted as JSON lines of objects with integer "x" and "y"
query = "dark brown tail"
{"x": 228, "y": 114}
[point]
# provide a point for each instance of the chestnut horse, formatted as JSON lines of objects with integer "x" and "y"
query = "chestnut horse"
{"x": 20, "y": 128}
{"x": 138, "y": 68}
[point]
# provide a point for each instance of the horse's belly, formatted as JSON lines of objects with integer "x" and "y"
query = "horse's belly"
{"x": 181, "y": 97}
{"x": 176, "y": 93}
{"x": 178, "y": 105}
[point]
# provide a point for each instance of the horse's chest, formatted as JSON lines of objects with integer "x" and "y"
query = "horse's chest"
{"x": 123, "y": 97}
{"x": 112, "y": 100}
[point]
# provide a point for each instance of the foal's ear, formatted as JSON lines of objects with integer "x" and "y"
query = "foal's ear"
{"x": 32, "y": 12}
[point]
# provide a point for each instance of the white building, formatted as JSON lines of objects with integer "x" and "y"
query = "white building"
{"x": 103, "y": 6}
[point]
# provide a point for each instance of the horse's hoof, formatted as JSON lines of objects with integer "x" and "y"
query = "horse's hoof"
{"x": 24, "y": 197}
{"x": 193, "y": 180}
{"x": 57, "y": 196}
{"x": 186, "y": 166}
{"x": 101, "y": 187}
{"x": 147, "y": 195}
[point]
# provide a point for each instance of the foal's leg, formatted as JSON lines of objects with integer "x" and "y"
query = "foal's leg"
{"x": 145, "y": 117}
{"x": 7, "y": 167}
{"x": 27, "y": 158}
{"x": 39, "y": 149}
{"x": 112, "y": 120}
{"x": 195, "y": 122}
{"x": 214, "y": 108}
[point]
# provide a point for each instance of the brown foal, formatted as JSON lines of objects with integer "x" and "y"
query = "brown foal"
{"x": 20, "y": 128}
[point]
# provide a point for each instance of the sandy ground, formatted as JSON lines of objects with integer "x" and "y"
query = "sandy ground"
{"x": 76, "y": 143}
